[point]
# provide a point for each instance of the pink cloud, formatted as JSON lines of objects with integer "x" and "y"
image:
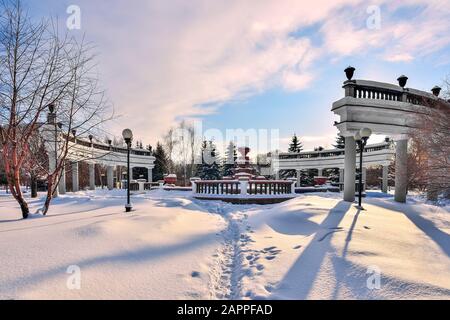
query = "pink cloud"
{"x": 162, "y": 60}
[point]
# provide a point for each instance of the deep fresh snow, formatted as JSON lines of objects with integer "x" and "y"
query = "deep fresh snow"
{"x": 174, "y": 247}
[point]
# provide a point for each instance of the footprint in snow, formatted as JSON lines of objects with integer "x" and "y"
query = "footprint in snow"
{"x": 260, "y": 267}
{"x": 270, "y": 258}
{"x": 269, "y": 288}
{"x": 195, "y": 274}
{"x": 297, "y": 247}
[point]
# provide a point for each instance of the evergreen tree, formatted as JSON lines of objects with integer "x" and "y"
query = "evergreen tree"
{"x": 161, "y": 162}
{"x": 307, "y": 178}
{"x": 230, "y": 160}
{"x": 296, "y": 146}
{"x": 340, "y": 142}
{"x": 200, "y": 172}
{"x": 209, "y": 169}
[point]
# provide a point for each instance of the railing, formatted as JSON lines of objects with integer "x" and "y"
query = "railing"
{"x": 365, "y": 92}
{"x": 148, "y": 186}
{"x": 269, "y": 187}
{"x": 134, "y": 186}
{"x": 362, "y": 89}
{"x": 329, "y": 153}
{"x": 243, "y": 187}
{"x": 107, "y": 147}
{"x": 218, "y": 187}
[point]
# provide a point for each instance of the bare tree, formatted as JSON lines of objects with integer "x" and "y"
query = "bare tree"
{"x": 432, "y": 135}
{"x": 34, "y": 162}
{"x": 170, "y": 143}
{"x": 193, "y": 145}
{"x": 40, "y": 68}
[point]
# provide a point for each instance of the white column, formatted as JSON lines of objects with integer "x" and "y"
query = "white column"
{"x": 110, "y": 177}
{"x": 277, "y": 175}
{"x": 401, "y": 171}
{"x": 150, "y": 175}
{"x": 341, "y": 175}
{"x": 62, "y": 181}
{"x": 243, "y": 184}
{"x": 91, "y": 176}
{"x": 299, "y": 178}
{"x": 75, "y": 182}
{"x": 293, "y": 182}
{"x": 350, "y": 169}
{"x": 194, "y": 184}
{"x": 320, "y": 172}
{"x": 385, "y": 179}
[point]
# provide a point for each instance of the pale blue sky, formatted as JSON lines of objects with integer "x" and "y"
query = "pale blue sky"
{"x": 254, "y": 64}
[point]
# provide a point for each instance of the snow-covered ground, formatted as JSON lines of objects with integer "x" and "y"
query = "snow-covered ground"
{"x": 174, "y": 247}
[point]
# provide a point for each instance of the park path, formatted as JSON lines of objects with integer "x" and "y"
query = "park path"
{"x": 227, "y": 269}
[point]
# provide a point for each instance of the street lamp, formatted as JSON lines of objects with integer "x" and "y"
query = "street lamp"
{"x": 361, "y": 138}
{"x": 127, "y": 135}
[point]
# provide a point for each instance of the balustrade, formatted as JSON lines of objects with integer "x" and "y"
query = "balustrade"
{"x": 255, "y": 187}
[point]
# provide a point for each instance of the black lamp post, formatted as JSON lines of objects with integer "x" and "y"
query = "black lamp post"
{"x": 361, "y": 138}
{"x": 127, "y": 135}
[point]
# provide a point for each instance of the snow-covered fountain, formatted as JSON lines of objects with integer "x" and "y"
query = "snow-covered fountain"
{"x": 244, "y": 186}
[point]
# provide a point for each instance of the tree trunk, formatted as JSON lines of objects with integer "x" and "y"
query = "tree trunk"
{"x": 24, "y": 208}
{"x": 22, "y": 203}
{"x": 33, "y": 182}
{"x": 49, "y": 197}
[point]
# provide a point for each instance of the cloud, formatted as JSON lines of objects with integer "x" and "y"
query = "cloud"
{"x": 167, "y": 60}
{"x": 401, "y": 57}
{"x": 407, "y": 30}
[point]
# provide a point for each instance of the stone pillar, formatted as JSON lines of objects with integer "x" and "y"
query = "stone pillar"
{"x": 349, "y": 169}
{"x": 401, "y": 170}
{"x": 385, "y": 179}
{"x": 110, "y": 177}
{"x": 299, "y": 178}
{"x": 341, "y": 175}
{"x": 320, "y": 172}
{"x": 277, "y": 175}
{"x": 194, "y": 184}
{"x": 150, "y": 175}
{"x": 62, "y": 182}
{"x": 293, "y": 182}
{"x": 91, "y": 176}
{"x": 75, "y": 181}
{"x": 243, "y": 184}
